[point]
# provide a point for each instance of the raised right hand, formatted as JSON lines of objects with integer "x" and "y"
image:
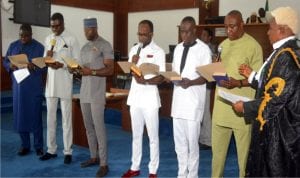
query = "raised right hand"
{"x": 245, "y": 70}
{"x": 50, "y": 53}
{"x": 135, "y": 59}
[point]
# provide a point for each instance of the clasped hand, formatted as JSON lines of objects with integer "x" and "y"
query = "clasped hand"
{"x": 139, "y": 79}
{"x": 84, "y": 71}
{"x": 55, "y": 65}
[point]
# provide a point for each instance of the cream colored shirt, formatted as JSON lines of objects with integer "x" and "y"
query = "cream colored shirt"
{"x": 59, "y": 82}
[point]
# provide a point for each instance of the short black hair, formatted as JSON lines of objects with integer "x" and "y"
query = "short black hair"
{"x": 236, "y": 13}
{"x": 26, "y": 28}
{"x": 57, "y": 16}
{"x": 189, "y": 19}
{"x": 149, "y": 23}
{"x": 209, "y": 32}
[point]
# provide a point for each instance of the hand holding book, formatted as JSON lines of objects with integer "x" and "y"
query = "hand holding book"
{"x": 231, "y": 83}
{"x": 219, "y": 76}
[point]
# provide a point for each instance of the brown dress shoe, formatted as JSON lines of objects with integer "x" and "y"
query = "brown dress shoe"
{"x": 90, "y": 162}
{"x": 23, "y": 151}
{"x": 102, "y": 171}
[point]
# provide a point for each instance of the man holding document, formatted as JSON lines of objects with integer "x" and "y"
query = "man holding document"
{"x": 188, "y": 97}
{"x": 59, "y": 86}
{"x": 238, "y": 48}
{"x": 97, "y": 63}
{"x": 27, "y": 93}
{"x": 144, "y": 100}
{"x": 275, "y": 112}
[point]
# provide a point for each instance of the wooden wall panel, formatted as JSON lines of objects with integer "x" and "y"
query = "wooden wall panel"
{"x": 104, "y": 5}
{"x": 5, "y": 78}
{"x": 121, "y": 26}
{"x": 208, "y": 9}
{"x": 133, "y": 5}
{"x": 147, "y": 5}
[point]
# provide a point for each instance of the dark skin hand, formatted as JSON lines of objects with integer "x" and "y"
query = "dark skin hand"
{"x": 135, "y": 59}
{"x": 230, "y": 84}
{"x": 13, "y": 67}
{"x": 185, "y": 82}
{"x": 85, "y": 71}
{"x": 139, "y": 79}
{"x": 31, "y": 66}
{"x": 152, "y": 81}
{"x": 50, "y": 53}
{"x": 55, "y": 65}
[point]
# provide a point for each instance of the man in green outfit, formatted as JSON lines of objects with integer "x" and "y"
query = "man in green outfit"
{"x": 238, "y": 48}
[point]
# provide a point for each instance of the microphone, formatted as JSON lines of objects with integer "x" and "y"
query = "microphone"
{"x": 52, "y": 43}
{"x": 139, "y": 49}
{"x": 218, "y": 58}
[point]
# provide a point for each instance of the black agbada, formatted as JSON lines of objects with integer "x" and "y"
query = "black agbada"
{"x": 275, "y": 146}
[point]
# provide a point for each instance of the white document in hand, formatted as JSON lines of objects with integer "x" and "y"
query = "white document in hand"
{"x": 233, "y": 98}
{"x": 21, "y": 74}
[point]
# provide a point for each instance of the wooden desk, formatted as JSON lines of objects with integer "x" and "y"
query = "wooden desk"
{"x": 116, "y": 102}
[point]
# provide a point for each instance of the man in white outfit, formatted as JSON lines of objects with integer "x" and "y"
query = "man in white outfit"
{"x": 144, "y": 100}
{"x": 59, "y": 86}
{"x": 188, "y": 97}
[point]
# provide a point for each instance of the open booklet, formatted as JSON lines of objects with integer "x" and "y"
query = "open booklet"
{"x": 143, "y": 69}
{"x": 42, "y": 61}
{"x": 72, "y": 63}
{"x": 171, "y": 75}
{"x": 233, "y": 98}
{"x": 213, "y": 72}
{"x": 19, "y": 60}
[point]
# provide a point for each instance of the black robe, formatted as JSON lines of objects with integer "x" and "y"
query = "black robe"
{"x": 275, "y": 150}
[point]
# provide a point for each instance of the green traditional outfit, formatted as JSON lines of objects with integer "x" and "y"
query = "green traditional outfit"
{"x": 244, "y": 50}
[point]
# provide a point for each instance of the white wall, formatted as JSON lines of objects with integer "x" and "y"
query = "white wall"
{"x": 73, "y": 24}
{"x": 165, "y": 22}
{"x": 165, "y": 25}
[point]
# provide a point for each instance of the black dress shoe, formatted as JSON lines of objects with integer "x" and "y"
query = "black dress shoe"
{"x": 102, "y": 171}
{"x": 47, "y": 156}
{"x": 204, "y": 147}
{"x": 23, "y": 151}
{"x": 68, "y": 159}
{"x": 39, "y": 152}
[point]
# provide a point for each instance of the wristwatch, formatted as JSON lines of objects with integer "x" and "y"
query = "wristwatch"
{"x": 94, "y": 72}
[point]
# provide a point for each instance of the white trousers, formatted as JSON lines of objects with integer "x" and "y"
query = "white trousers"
{"x": 205, "y": 134}
{"x": 66, "y": 110}
{"x": 139, "y": 118}
{"x": 186, "y": 136}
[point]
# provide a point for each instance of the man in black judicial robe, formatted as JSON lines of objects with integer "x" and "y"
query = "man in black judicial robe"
{"x": 275, "y": 143}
